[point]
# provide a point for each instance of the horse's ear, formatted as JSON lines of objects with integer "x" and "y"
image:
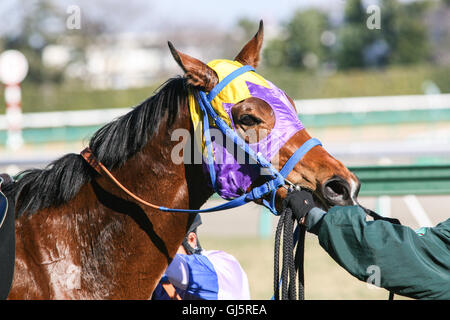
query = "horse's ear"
{"x": 199, "y": 74}
{"x": 250, "y": 54}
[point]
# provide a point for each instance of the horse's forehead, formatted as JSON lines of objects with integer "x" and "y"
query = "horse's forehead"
{"x": 276, "y": 98}
{"x": 253, "y": 85}
{"x": 273, "y": 95}
{"x": 247, "y": 85}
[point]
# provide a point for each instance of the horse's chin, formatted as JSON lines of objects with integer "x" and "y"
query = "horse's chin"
{"x": 325, "y": 204}
{"x": 321, "y": 203}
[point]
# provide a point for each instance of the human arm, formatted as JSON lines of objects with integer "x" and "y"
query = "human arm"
{"x": 195, "y": 275}
{"x": 409, "y": 264}
{"x": 178, "y": 272}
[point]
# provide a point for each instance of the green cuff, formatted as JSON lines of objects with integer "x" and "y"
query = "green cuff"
{"x": 314, "y": 219}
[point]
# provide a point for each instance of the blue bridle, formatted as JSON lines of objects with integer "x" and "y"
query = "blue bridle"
{"x": 278, "y": 178}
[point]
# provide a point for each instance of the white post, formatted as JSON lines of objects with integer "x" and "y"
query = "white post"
{"x": 13, "y": 69}
{"x": 417, "y": 211}
{"x": 14, "y": 116}
{"x": 384, "y": 206}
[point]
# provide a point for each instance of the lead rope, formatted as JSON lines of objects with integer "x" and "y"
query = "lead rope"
{"x": 295, "y": 265}
{"x": 291, "y": 265}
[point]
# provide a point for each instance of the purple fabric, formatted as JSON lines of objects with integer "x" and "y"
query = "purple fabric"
{"x": 234, "y": 171}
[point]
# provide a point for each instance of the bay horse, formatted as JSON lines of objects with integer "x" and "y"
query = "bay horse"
{"x": 81, "y": 237}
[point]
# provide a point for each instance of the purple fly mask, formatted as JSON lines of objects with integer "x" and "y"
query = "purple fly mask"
{"x": 234, "y": 171}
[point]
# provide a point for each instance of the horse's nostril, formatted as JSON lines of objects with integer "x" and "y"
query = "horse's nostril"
{"x": 336, "y": 191}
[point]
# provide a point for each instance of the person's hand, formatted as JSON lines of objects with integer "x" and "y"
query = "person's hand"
{"x": 301, "y": 202}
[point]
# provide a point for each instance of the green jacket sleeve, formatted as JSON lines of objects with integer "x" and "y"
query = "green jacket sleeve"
{"x": 395, "y": 257}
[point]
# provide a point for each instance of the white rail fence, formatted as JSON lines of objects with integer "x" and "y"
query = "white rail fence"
{"x": 310, "y": 106}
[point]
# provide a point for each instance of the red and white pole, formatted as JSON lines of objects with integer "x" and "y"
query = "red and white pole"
{"x": 13, "y": 98}
{"x": 13, "y": 69}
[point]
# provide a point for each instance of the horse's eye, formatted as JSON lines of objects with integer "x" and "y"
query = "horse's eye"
{"x": 248, "y": 120}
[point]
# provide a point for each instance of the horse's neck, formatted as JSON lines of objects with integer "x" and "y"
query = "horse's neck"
{"x": 113, "y": 247}
{"x": 141, "y": 238}
{"x": 151, "y": 238}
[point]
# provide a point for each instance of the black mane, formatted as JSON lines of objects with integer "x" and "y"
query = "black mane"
{"x": 112, "y": 144}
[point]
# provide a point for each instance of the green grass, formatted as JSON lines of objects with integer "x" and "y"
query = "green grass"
{"x": 355, "y": 83}
{"x": 299, "y": 85}
{"x": 55, "y": 98}
{"x": 324, "y": 279}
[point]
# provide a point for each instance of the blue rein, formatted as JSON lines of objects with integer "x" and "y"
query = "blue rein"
{"x": 278, "y": 177}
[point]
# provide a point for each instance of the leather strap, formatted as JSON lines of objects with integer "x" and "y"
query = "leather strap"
{"x": 101, "y": 169}
{"x": 171, "y": 291}
{"x": 92, "y": 160}
{"x": 256, "y": 193}
{"x": 225, "y": 81}
{"x": 278, "y": 178}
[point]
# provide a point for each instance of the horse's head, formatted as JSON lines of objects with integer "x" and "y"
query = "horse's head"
{"x": 266, "y": 118}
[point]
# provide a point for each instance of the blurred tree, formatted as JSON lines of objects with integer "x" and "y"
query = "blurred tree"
{"x": 409, "y": 39}
{"x": 354, "y": 12}
{"x": 299, "y": 45}
{"x": 41, "y": 23}
{"x": 274, "y": 53}
{"x": 402, "y": 38}
{"x": 247, "y": 27}
{"x": 438, "y": 24}
{"x": 32, "y": 27}
{"x": 389, "y": 31}
{"x": 244, "y": 29}
{"x": 353, "y": 37}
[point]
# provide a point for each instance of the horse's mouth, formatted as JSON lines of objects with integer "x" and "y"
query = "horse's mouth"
{"x": 318, "y": 198}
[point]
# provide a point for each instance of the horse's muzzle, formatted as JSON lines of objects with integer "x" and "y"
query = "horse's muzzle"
{"x": 337, "y": 191}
